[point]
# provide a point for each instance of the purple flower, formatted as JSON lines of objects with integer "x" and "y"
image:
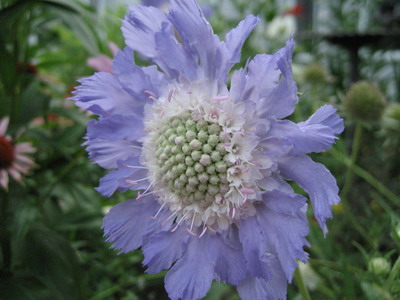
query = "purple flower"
{"x": 211, "y": 162}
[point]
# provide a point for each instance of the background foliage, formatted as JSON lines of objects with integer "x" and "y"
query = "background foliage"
{"x": 50, "y": 226}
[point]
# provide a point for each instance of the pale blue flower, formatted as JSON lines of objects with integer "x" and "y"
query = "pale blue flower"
{"x": 210, "y": 161}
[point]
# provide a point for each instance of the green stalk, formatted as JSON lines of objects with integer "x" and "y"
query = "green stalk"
{"x": 392, "y": 276}
{"x": 301, "y": 285}
{"x": 354, "y": 155}
{"x": 371, "y": 180}
{"x": 5, "y": 237}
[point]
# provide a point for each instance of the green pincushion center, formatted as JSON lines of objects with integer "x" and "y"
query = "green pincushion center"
{"x": 192, "y": 159}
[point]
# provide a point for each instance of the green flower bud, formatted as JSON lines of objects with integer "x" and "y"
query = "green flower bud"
{"x": 190, "y": 135}
{"x": 391, "y": 118}
{"x": 172, "y": 137}
{"x": 213, "y": 140}
{"x": 186, "y": 148}
{"x": 202, "y": 136}
{"x": 199, "y": 167}
{"x": 190, "y": 172}
{"x": 181, "y": 129}
{"x": 214, "y": 129}
{"x": 205, "y": 160}
{"x": 379, "y": 266}
{"x": 214, "y": 179}
{"x": 188, "y": 159}
{"x": 203, "y": 177}
{"x": 195, "y": 144}
{"x": 215, "y": 156}
{"x": 176, "y": 122}
{"x": 315, "y": 74}
{"x": 190, "y": 124}
{"x": 364, "y": 102}
{"x": 207, "y": 148}
{"x": 196, "y": 155}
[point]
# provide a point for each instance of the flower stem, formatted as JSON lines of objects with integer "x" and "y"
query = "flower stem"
{"x": 5, "y": 237}
{"x": 392, "y": 276}
{"x": 301, "y": 285}
{"x": 370, "y": 179}
{"x": 354, "y": 155}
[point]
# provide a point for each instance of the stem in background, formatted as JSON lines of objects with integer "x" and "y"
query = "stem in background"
{"x": 392, "y": 276}
{"x": 301, "y": 285}
{"x": 69, "y": 167}
{"x": 371, "y": 180}
{"x": 5, "y": 236}
{"x": 354, "y": 155}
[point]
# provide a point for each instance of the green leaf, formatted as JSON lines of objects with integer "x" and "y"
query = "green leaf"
{"x": 49, "y": 258}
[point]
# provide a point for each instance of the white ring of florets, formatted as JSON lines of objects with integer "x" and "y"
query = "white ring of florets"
{"x": 199, "y": 151}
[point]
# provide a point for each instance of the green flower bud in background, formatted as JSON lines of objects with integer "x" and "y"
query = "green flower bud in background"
{"x": 315, "y": 74}
{"x": 379, "y": 266}
{"x": 364, "y": 102}
{"x": 391, "y": 118}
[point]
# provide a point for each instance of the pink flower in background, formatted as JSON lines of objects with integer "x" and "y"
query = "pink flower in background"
{"x": 102, "y": 62}
{"x": 13, "y": 160}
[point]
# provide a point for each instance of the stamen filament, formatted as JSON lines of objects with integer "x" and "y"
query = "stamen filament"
{"x": 155, "y": 216}
{"x": 134, "y": 167}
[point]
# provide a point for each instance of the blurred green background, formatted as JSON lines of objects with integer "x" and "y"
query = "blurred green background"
{"x": 51, "y": 244}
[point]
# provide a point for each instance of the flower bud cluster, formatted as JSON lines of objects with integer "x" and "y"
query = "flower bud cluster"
{"x": 192, "y": 158}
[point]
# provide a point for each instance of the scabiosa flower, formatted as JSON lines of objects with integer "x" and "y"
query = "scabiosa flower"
{"x": 13, "y": 160}
{"x": 210, "y": 162}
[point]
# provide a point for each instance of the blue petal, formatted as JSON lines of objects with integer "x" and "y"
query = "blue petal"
{"x": 139, "y": 28}
{"x": 306, "y": 138}
{"x": 172, "y": 57}
{"x": 104, "y": 91}
{"x": 117, "y": 127}
{"x": 162, "y": 249}
{"x": 227, "y": 253}
{"x": 254, "y": 247}
{"x": 196, "y": 33}
{"x": 148, "y": 31}
{"x": 326, "y": 116}
{"x": 129, "y": 222}
{"x": 106, "y": 154}
{"x": 123, "y": 61}
{"x": 280, "y": 102}
{"x": 232, "y": 46}
{"x": 135, "y": 80}
{"x": 317, "y": 181}
{"x": 117, "y": 179}
{"x": 190, "y": 278}
{"x": 155, "y": 3}
{"x": 276, "y": 232}
{"x": 260, "y": 82}
{"x": 285, "y": 227}
{"x": 262, "y": 289}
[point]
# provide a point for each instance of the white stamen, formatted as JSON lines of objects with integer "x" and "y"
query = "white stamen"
{"x": 150, "y": 93}
{"x": 171, "y": 216}
{"x": 144, "y": 193}
{"x": 192, "y": 233}
{"x": 134, "y": 167}
{"x": 136, "y": 147}
{"x": 170, "y": 93}
{"x": 134, "y": 182}
{"x": 247, "y": 191}
{"x": 220, "y": 98}
{"x": 203, "y": 232}
{"x": 153, "y": 98}
{"x": 180, "y": 222}
{"x": 155, "y": 216}
{"x": 191, "y": 226}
